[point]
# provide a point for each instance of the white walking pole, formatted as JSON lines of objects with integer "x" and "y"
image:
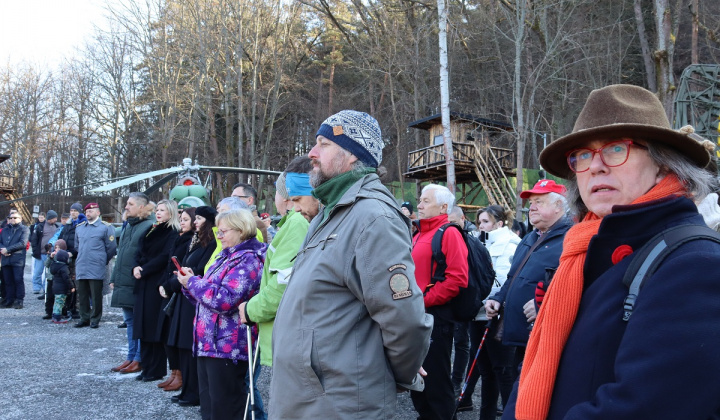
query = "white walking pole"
{"x": 251, "y": 369}
{"x": 255, "y": 359}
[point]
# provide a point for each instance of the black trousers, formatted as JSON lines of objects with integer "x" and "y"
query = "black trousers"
{"x": 222, "y": 388}
{"x": 14, "y": 282}
{"x": 462, "y": 353}
{"x": 496, "y": 365}
{"x": 2, "y": 286}
{"x": 90, "y": 289}
{"x": 152, "y": 359}
{"x": 189, "y": 369}
{"x": 437, "y": 401}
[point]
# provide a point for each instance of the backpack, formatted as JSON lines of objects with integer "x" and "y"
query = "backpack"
{"x": 481, "y": 274}
{"x": 651, "y": 255}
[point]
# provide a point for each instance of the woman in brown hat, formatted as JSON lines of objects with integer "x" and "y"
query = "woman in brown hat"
{"x": 631, "y": 177}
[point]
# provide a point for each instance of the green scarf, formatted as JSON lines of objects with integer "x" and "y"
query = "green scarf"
{"x": 330, "y": 192}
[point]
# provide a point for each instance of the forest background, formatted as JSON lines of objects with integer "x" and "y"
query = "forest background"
{"x": 247, "y": 82}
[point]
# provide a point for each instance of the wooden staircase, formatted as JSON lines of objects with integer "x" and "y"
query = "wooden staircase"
{"x": 8, "y": 191}
{"x": 492, "y": 176}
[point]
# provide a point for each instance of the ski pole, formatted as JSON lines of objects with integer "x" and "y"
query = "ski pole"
{"x": 472, "y": 367}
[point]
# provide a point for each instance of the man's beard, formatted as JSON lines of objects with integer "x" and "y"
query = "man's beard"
{"x": 319, "y": 175}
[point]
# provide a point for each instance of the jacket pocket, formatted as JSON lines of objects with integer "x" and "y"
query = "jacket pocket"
{"x": 310, "y": 363}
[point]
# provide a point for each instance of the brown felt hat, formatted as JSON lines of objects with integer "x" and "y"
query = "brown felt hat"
{"x": 621, "y": 111}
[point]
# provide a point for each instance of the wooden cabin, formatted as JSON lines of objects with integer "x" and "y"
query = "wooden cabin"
{"x": 483, "y": 154}
{"x": 7, "y": 190}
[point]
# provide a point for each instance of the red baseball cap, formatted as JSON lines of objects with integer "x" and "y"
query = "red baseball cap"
{"x": 544, "y": 186}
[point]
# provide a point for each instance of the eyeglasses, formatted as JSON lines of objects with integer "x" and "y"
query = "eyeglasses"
{"x": 241, "y": 196}
{"x": 222, "y": 232}
{"x": 612, "y": 154}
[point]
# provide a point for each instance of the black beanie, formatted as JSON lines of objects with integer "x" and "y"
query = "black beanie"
{"x": 207, "y": 212}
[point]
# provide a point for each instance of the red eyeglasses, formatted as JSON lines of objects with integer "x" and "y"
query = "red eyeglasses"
{"x": 612, "y": 154}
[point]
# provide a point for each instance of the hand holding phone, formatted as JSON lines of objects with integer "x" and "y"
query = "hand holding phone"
{"x": 177, "y": 265}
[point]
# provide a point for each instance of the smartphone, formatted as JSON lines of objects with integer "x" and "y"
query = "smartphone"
{"x": 177, "y": 265}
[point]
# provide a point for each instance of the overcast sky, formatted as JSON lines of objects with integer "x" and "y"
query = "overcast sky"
{"x": 42, "y": 32}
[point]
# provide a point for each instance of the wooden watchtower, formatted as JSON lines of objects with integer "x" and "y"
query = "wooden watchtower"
{"x": 7, "y": 190}
{"x": 483, "y": 156}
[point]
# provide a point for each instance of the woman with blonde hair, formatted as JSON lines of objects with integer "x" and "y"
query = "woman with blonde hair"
{"x": 153, "y": 255}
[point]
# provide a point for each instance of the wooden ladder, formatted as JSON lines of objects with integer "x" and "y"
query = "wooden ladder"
{"x": 496, "y": 184}
{"x": 20, "y": 206}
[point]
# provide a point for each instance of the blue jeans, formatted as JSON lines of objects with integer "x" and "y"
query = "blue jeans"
{"x": 38, "y": 273}
{"x": 133, "y": 345}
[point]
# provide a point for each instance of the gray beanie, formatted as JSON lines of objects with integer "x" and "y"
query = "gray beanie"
{"x": 77, "y": 206}
{"x": 356, "y": 132}
{"x": 51, "y": 214}
{"x": 281, "y": 188}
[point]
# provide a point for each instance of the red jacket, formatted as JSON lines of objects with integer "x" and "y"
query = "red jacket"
{"x": 456, "y": 253}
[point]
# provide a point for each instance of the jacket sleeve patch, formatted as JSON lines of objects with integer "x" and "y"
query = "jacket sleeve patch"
{"x": 400, "y": 285}
{"x": 396, "y": 266}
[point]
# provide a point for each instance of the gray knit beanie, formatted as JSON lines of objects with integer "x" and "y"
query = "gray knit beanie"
{"x": 281, "y": 188}
{"x": 356, "y": 132}
{"x": 77, "y": 206}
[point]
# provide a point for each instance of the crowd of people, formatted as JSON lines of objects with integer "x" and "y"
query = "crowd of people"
{"x": 342, "y": 301}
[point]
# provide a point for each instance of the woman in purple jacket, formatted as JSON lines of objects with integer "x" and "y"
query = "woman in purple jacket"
{"x": 220, "y": 343}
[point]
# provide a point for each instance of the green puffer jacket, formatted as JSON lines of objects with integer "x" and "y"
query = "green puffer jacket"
{"x": 122, "y": 277}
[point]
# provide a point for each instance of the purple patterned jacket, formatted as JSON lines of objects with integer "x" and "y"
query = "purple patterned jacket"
{"x": 233, "y": 278}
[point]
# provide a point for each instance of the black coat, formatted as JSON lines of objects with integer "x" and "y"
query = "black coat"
{"x": 62, "y": 283}
{"x": 14, "y": 238}
{"x": 516, "y": 293}
{"x": 68, "y": 235}
{"x": 181, "y": 330}
{"x": 179, "y": 250}
{"x": 153, "y": 255}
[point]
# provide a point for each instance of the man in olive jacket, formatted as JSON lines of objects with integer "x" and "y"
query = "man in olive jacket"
{"x": 122, "y": 280}
{"x": 351, "y": 328}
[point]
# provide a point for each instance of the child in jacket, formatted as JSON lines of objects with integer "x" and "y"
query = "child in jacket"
{"x": 62, "y": 284}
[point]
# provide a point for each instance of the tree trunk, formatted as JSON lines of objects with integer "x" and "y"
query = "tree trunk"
{"x": 645, "y": 47}
{"x": 445, "y": 96}
{"x": 521, "y": 134}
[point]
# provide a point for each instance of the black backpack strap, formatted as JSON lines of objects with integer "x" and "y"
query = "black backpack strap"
{"x": 651, "y": 255}
{"x": 437, "y": 255}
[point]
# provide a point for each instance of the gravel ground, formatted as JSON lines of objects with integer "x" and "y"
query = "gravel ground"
{"x": 53, "y": 371}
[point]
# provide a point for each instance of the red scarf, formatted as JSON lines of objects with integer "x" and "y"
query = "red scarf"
{"x": 560, "y": 308}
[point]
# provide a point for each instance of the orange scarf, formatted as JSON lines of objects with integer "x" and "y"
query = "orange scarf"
{"x": 560, "y": 307}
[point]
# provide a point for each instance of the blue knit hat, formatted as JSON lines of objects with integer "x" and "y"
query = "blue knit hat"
{"x": 62, "y": 256}
{"x": 356, "y": 132}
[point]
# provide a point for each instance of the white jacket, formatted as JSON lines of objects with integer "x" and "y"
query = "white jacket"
{"x": 501, "y": 244}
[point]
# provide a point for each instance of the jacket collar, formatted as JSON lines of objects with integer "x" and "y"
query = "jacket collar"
{"x": 427, "y": 225}
{"x": 249, "y": 245}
